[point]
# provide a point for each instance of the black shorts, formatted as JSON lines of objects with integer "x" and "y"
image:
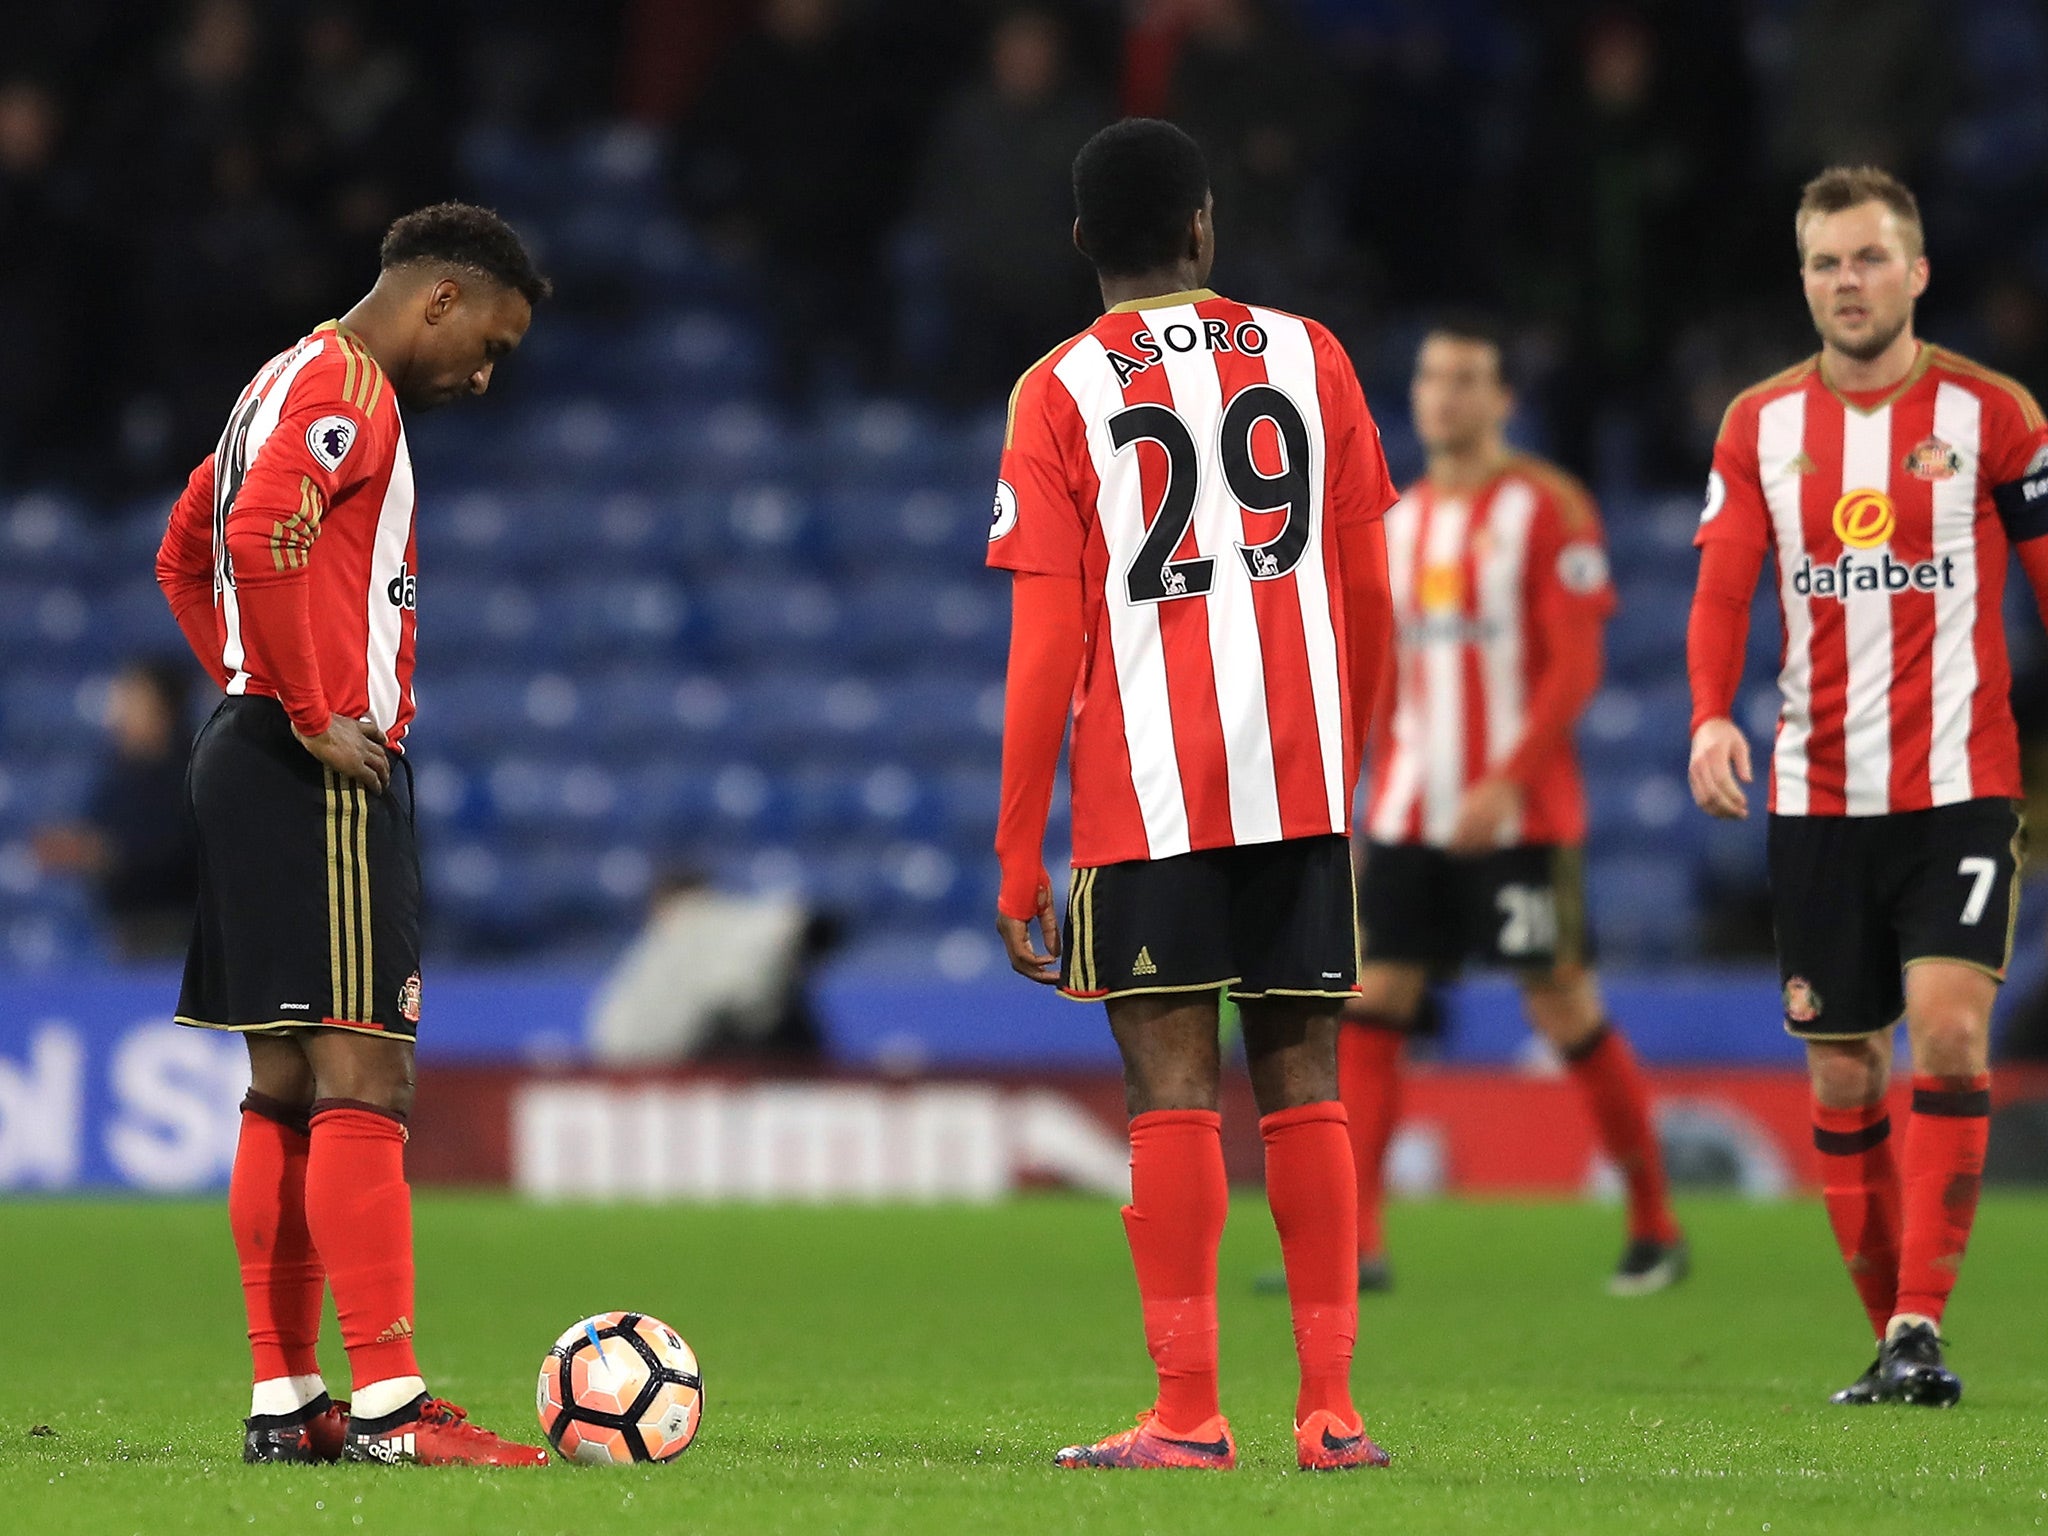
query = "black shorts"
{"x": 1523, "y": 907}
{"x": 309, "y": 886}
{"x": 1856, "y": 899}
{"x": 1265, "y": 920}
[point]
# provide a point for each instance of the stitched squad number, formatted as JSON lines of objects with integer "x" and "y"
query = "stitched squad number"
{"x": 1154, "y": 575}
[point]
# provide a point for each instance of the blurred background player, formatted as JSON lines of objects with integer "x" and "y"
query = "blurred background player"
{"x": 1477, "y": 823}
{"x": 1889, "y": 478}
{"x": 1190, "y": 501}
{"x": 134, "y": 842}
{"x": 290, "y": 564}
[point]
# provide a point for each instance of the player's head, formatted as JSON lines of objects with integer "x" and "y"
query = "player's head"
{"x": 464, "y": 287}
{"x": 1460, "y": 395}
{"x": 1141, "y": 203}
{"x": 1862, "y": 257}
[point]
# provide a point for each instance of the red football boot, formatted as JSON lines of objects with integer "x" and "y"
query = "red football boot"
{"x": 1325, "y": 1443}
{"x": 1147, "y": 1445}
{"x": 431, "y": 1432}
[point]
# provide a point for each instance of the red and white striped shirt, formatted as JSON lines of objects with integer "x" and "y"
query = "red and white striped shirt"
{"x": 311, "y": 485}
{"x": 1192, "y": 460}
{"x": 1883, "y": 514}
{"x": 1480, "y": 584}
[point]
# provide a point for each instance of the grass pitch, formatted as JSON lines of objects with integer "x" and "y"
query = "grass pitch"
{"x": 910, "y": 1370}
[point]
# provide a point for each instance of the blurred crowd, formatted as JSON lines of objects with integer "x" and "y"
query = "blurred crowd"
{"x": 183, "y": 186}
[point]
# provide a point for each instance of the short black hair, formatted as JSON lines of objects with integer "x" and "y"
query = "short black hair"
{"x": 464, "y": 235}
{"x": 1136, "y": 185}
{"x": 1474, "y": 325}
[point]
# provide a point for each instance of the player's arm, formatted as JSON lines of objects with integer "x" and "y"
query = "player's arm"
{"x": 270, "y": 532}
{"x": 1733, "y": 539}
{"x": 1037, "y": 535}
{"x": 1569, "y": 599}
{"x": 184, "y": 570}
{"x": 1046, "y": 646}
{"x": 1359, "y": 492}
{"x": 2019, "y": 491}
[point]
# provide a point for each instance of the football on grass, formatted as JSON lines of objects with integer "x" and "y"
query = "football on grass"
{"x": 619, "y": 1388}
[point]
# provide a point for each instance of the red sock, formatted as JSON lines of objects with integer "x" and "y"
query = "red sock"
{"x": 360, "y": 1212}
{"x": 1619, "y": 1099}
{"x": 1369, "y": 1077}
{"x": 1860, "y": 1185}
{"x": 1942, "y": 1172}
{"x": 1309, "y": 1174}
{"x": 281, "y": 1274}
{"x": 1179, "y": 1197}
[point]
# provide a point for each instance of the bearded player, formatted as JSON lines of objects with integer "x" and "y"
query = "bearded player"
{"x": 1190, "y": 503}
{"x": 290, "y": 564}
{"x": 1477, "y": 822}
{"x": 1887, "y": 479}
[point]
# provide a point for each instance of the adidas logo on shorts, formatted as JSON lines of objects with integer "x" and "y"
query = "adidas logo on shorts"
{"x": 1143, "y": 966}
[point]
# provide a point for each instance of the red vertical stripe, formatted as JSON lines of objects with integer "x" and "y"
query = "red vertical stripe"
{"x": 1276, "y": 605}
{"x": 1471, "y": 653}
{"x": 1819, "y": 490}
{"x": 1198, "y": 741}
{"x": 1912, "y": 693}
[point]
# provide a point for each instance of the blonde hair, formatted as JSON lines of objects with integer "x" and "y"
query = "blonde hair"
{"x": 1848, "y": 186}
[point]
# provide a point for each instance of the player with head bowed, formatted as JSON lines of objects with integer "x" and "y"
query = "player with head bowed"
{"x": 1477, "y": 823}
{"x": 290, "y": 562}
{"x": 1190, "y": 503}
{"x": 1889, "y": 479}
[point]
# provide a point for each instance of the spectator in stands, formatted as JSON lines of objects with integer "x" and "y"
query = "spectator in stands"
{"x": 778, "y": 163}
{"x": 44, "y": 210}
{"x": 713, "y": 974}
{"x": 995, "y": 194}
{"x": 134, "y": 844}
{"x": 1261, "y": 105}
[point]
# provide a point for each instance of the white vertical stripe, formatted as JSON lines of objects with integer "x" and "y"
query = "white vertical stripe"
{"x": 387, "y": 565}
{"x": 1402, "y": 769}
{"x": 1503, "y": 579}
{"x": 1291, "y": 366}
{"x": 1780, "y": 441}
{"x": 261, "y": 425}
{"x": 1133, "y": 628}
{"x": 1867, "y": 626}
{"x": 1234, "y": 642}
{"x": 1958, "y": 421}
{"x": 1443, "y": 678}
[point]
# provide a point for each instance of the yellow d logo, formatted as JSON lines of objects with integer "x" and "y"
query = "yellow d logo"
{"x": 1864, "y": 519}
{"x": 1442, "y": 588}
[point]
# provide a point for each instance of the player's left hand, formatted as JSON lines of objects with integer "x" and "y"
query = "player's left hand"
{"x": 1484, "y": 812}
{"x": 1015, "y": 933}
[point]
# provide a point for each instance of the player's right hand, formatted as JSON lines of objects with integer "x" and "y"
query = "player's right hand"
{"x": 1720, "y": 758}
{"x": 355, "y": 749}
{"x": 1015, "y": 933}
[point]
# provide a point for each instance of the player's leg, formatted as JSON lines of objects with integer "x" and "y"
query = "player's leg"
{"x": 1371, "y": 1043}
{"x": 1149, "y": 939}
{"x": 1956, "y": 912}
{"x": 1410, "y": 926}
{"x": 257, "y": 958}
{"x": 1293, "y": 931}
{"x": 1838, "y": 964}
{"x": 1563, "y": 1004}
{"x": 1948, "y": 1019}
{"x": 291, "y": 1416}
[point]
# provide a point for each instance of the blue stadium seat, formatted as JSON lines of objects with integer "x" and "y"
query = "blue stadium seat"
{"x": 1643, "y": 906}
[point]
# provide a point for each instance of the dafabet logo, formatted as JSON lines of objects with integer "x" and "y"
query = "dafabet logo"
{"x": 1867, "y": 520}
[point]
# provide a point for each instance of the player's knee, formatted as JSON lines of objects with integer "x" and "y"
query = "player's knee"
{"x": 1950, "y": 1041}
{"x": 375, "y": 1072}
{"x": 1847, "y": 1074}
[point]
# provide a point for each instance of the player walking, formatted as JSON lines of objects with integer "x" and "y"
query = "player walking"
{"x": 1887, "y": 478}
{"x": 1190, "y": 501}
{"x": 290, "y": 564}
{"x": 1478, "y": 814}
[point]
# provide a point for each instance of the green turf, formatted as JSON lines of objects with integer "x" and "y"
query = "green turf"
{"x": 913, "y": 1370}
